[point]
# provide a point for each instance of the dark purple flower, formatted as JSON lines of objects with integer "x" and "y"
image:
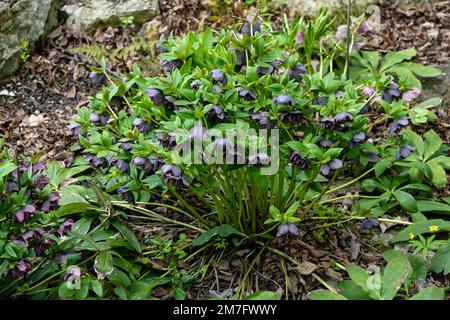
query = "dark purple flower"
{"x": 172, "y": 174}
{"x": 218, "y": 89}
{"x": 156, "y": 96}
{"x": 72, "y": 274}
{"x": 22, "y": 269}
{"x": 399, "y": 124}
{"x": 259, "y": 159}
{"x": 325, "y": 143}
{"x": 363, "y": 28}
{"x": 292, "y": 117}
{"x": 41, "y": 182}
{"x": 286, "y": 229}
{"x": 367, "y": 91}
{"x": 219, "y": 77}
{"x": 321, "y": 101}
{"x": 198, "y": 133}
{"x": 251, "y": 29}
{"x": 169, "y": 102}
{"x": 262, "y": 118}
{"x": 372, "y": 156}
{"x": 358, "y": 45}
{"x": 298, "y": 160}
{"x": 11, "y": 186}
{"x": 341, "y": 32}
{"x": 97, "y": 79}
{"x": 170, "y": 65}
{"x": 168, "y": 141}
{"x": 38, "y": 167}
{"x": 343, "y": 117}
{"x": 141, "y": 125}
{"x": 327, "y": 123}
{"x": 246, "y": 94}
{"x": 299, "y": 37}
{"x": 369, "y": 223}
{"x": 410, "y": 95}
{"x": 261, "y": 71}
{"x": 405, "y": 152}
{"x": 215, "y": 114}
{"x": 75, "y": 128}
{"x": 95, "y": 161}
{"x": 241, "y": 58}
{"x": 25, "y": 212}
{"x": 339, "y": 94}
{"x": 359, "y": 137}
{"x": 296, "y": 72}
{"x": 122, "y": 165}
{"x": 125, "y": 195}
{"x": 42, "y": 246}
{"x": 126, "y": 146}
{"x": 364, "y": 109}
{"x": 160, "y": 49}
{"x": 51, "y": 202}
{"x": 331, "y": 165}
{"x": 99, "y": 120}
{"x": 389, "y": 94}
{"x": 139, "y": 161}
{"x": 65, "y": 227}
{"x": 195, "y": 84}
{"x": 284, "y": 99}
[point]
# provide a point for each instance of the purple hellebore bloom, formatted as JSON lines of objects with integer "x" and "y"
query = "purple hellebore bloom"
{"x": 339, "y": 94}
{"x": 169, "y": 102}
{"x": 286, "y": 229}
{"x": 284, "y": 99}
{"x": 25, "y": 212}
{"x": 99, "y": 120}
{"x": 125, "y": 195}
{"x": 156, "y": 96}
{"x": 22, "y": 269}
{"x": 331, "y": 165}
{"x": 367, "y": 91}
{"x": 65, "y": 227}
{"x": 325, "y": 143}
{"x": 359, "y": 137}
{"x": 215, "y": 114}
{"x": 139, "y": 161}
{"x": 95, "y": 161}
{"x": 41, "y": 182}
{"x": 298, "y": 160}
{"x": 321, "y": 101}
{"x": 122, "y": 165}
{"x": 75, "y": 128}
{"x": 262, "y": 118}
{"x": 51, "y": 202}
{"x": 251, "y": 29}
{"x": 198, "y": 133}
{"x": 291, "y": 117}
{"x": 405, "y": 152}
{"x": 259, "y": 159}
{"x": 141, "y": 125}
{"x": 168, "y": 141}
{"x": 363, "y": 28}
{"x": 399, "y": 124}
{"x": 343, "y": 117}
{"x": 170, "y": 65}
{"x": 372, "y": 156}
{"x": 364, "y": 109}
{"x": 38, "y": 167}
{"x": 172, "y": 174}
{"x": 369, "y": 223}
{"x": 358, "y": 45}
{"x": 296, "y": 72}
{"x": 341, "y": 33}
{"x": 246, "y": 94}
{"x": 195, "y": 84}
{"x": 389, "y": 94}
{"x": 299, "y": 37}
{"x": 219, "y": 77}
{"x": 125, "y": 146}
{"x": 73, "y": 274}
{"x": 97, "y": 79}
{"x": 42, "y": 246}
{"x": 410, "y": 95}
{"x": 11, "y": 186}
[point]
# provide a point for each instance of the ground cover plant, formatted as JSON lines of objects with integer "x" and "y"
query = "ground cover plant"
{"x": 246, "y": 136}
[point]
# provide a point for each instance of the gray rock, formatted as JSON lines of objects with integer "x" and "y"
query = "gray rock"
{"x": 29, "y": 20}
{"x": 89, "y": 14}
{"x": 311, "y": 7}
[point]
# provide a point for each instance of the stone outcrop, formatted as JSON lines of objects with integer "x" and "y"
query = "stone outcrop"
{"x": 90, "y": 14}
{"x": 311, "y": 7}
{"x": 23, "y": 21}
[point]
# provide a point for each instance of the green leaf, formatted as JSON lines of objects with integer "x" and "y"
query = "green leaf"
{"x": 103, "y": 264}
{"x": 394, "y": 275}
{"x": 416, "y": 141}
{"x": 326, "y": 295}
{"x": 419, "y": 228}
{"x": 441, "y": 260}
{"x": 430, "y": 294}
{"x": 128, "y": 235}
{"x": 72, "y": 194}
{"x": 432, "y": 206}
{"x": 421, "y": 70}
{"x": 222, "y": 231}
{"x": 264, "y": 295}
{"x": 358, "y": 276}
{"x": 393, "y": 58}
{"x": 406, "y": 200}
{"x": 439, "y": 178}
{"x": 352, "y": 291}
{"x": 118, "y": 277}
{"x": 432, "y": 102}
{"x": 432, "y": 143}
{"x": 6, "y": 168}
{"x": 97, "y": 287}
{"x": 381, "y": 167}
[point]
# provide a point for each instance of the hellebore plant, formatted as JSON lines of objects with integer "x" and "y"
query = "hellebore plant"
{"x": 194, "y": 133}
